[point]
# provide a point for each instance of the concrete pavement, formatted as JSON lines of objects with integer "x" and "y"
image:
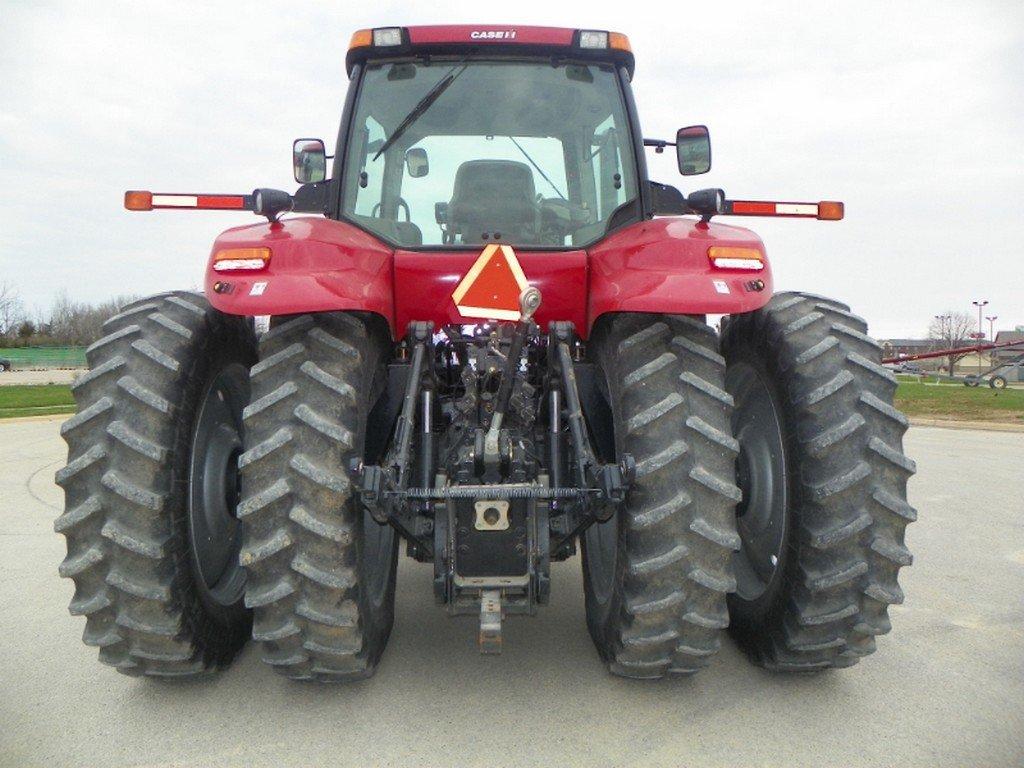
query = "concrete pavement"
{"x": 42, "y": 376}
{"x": 945, "y": 688}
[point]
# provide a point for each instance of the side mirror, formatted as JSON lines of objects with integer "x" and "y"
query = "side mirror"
{"x": 416, "y": 162}
{"x": 309, "y": 161}
{"x": 693, "y": 150}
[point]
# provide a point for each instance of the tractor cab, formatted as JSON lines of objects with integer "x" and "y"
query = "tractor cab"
{"x": 466, "y": 150}
{"x": 463, "y": 136}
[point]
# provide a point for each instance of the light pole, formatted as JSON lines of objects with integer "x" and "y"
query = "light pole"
{"x": 979, "y": 305}
{"x": 981, "y": 333}
{"x": 943, "y": 337}
{"x": 992, "y": 335}
{"x": 991, "y": 325}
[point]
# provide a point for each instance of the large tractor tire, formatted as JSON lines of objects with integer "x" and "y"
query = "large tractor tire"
{"x": 656, "y": 575}
{"x": 321, "y": 572}
{"x": 824, "y": 482}
{"x": 151, "y": 486}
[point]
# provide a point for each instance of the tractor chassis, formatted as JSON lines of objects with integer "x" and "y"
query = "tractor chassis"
{"x": 513, "y": 493}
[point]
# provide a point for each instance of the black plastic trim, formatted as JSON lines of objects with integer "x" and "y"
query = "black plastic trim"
{"x": 341, "y": 146}
{"x": 473, "y": 50}
{"x": 640, "y": 162}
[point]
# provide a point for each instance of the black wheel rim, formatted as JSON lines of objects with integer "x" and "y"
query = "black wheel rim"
{"x": 761, "y": 517}
{"x": 214, "y": 532}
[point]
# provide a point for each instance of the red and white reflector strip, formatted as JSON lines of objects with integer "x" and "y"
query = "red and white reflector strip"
{"x": 241, "y": 259}
{"x": 826, "y": 210}
{"x": 148, "y": 201}
{"x": 728, "y": 257}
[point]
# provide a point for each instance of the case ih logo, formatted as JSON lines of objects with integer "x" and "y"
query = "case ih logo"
{"x": 508, "y": 34}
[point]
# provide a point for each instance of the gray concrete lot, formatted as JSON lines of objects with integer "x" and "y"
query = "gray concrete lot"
{"x": 43, "y": 376}
{"x": 945, "y": 688}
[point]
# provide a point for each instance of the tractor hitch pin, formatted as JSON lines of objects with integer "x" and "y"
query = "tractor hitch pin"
{"x": 489, "y": 638}
{"x": 529, "y": 302}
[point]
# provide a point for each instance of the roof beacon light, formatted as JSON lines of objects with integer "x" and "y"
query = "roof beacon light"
{"x": 590, "y": 38}
{"x": 387, "y": 37}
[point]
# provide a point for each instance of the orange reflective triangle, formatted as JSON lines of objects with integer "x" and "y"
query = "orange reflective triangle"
{"x": 492, "y": 286}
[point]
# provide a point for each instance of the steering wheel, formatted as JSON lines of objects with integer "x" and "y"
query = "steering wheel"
{"x": 400, "y": 203}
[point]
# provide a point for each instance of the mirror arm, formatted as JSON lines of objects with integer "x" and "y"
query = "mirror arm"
{"x": 658, "y": 144}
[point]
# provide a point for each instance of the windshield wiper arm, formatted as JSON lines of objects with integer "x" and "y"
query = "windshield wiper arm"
{"x": 549, "y": 181}
{"x": 422, "y": 106}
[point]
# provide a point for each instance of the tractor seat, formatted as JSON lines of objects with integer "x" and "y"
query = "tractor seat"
{"x": 493, "y": 196}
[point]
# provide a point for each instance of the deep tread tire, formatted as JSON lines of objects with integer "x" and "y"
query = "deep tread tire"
{"x": 848, "y": 507}
{"x": 125, "y": 488}
{"x": 303, "y": 534}
{"x": 676, "y": 534}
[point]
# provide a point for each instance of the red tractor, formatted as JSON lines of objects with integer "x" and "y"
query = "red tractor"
{"x": 487, "y": 339}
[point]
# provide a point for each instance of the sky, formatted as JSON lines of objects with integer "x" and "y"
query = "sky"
{"x": 911, "y": 112}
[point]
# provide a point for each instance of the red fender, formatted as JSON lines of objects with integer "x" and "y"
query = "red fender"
{"x": 426, "y": 281}
{"x": 320, "y": 265}
{"x": 662, "y": 265}
{"x": 316, "y": 265}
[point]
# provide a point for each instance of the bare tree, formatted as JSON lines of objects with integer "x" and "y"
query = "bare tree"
{"x": 75, "y": 323}
{"x": 952, "y": 329}
{"x": 12, "y": 311}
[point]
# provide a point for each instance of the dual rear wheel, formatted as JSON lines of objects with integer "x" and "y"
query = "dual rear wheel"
{"x": 208, "y": 492}
{"x": 770, "y": 494}
{"x": 208, "y": 496}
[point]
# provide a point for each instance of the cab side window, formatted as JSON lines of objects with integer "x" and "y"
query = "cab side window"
{"x": 606, "y": 163}
{"x": 369, "y": 197}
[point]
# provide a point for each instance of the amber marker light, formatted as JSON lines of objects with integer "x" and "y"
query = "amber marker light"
{"x": 362, "y": 38}
{"x": 619, "y": 42}
{"x": 241, "y": 259}
{"x": 138, "y": 201}
{"x": 728, "y": 257}
{"x": 830, "y": 210}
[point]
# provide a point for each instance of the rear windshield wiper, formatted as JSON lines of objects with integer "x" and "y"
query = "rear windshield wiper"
{"x": 422, "y": 106}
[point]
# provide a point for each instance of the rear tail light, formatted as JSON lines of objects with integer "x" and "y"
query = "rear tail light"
{"x": 726, "y": 257}
{"x": 241, "y": 259}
